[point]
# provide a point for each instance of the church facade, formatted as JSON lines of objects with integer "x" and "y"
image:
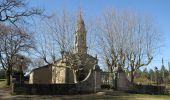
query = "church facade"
{"x": 74, "y": 67}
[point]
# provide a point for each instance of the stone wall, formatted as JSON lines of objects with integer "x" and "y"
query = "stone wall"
{"x": 45, "y": 89}
{"x": 150, "y": 89}
{"x": 123, "y": 83}
{"x": 91, "y": 85}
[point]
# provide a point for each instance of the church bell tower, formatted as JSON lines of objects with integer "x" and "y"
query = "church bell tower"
{"x": 80, "y": 36}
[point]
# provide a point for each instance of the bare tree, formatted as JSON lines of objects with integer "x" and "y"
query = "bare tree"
{"x": 13, "y": 42}
{"x": 57, "y": 33}
{"x": 14, "y": 11}
{"x": 127, "y": 39}
{"x": 21, "y": 61}
{"x": 56, "y": 37}
{"x": 36, "y": 62}
{"x": 57, "y": 41}
{"x": 146, "y": 40}
{"x": 112, "y": 39}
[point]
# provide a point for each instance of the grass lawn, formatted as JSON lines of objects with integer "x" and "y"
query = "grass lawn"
{"x": 2, "y": 83}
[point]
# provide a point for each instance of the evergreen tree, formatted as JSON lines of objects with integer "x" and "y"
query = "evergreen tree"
{"x": 169, "y": 67}
{"x": 156, "y": 75}
{"x": 169, "y": 72}
{"x": 162, "y": 71}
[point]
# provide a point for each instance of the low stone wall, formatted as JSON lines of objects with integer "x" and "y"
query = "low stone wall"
{"x": 47, "y": 89}
{"x": 91, "y": 85}
{"x": 150, "y": 89}
{"x": 52, "y": 89}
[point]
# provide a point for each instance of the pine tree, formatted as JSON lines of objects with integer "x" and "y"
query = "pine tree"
{"x": 162, "y": 72}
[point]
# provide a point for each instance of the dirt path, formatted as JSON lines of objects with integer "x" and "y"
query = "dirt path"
{"x": 4, "y": 92}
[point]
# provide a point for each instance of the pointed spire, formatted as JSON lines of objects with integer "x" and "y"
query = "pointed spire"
{"x": 79, "y": 17}
{"x": 80, "y": 21}
{"x": 80, "y": 35}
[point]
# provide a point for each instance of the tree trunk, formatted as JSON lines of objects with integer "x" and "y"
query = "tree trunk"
{"x": 116, "y": 81}
{"x": 8, "y": 78}
{"x": 132, "y": 75}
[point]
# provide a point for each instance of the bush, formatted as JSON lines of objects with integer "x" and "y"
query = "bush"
{"x": 2, "y": 74}
{"x": 105, "y": 86}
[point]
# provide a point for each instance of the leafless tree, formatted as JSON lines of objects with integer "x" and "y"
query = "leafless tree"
{"x": 13, "y": 42}
{"x": 57, "y": 33}
{"x": 112, "y": 40}
{"x": 21, "y": 61}
{"x": 56, "y": 37}
{"x": 57, "y": 41}
{"x": 14, "y": 11}
{"x": 127, "y": 39}
{"x": 146, "y": 40}
{"x": 37, "y": 62}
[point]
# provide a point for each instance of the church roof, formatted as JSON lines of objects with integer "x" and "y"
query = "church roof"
{"x": 45, "y": 66}
{"x": 40, "y": 67}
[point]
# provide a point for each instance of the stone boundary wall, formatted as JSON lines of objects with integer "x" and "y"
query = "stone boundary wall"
{"x": 91, "y": 85}
{"x": 150, "y": 89}
{"x": 45, "y": 89}
{"x": 51, "y": 89}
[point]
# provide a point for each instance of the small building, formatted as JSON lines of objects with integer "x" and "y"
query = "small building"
{"x": 41, "y": 75}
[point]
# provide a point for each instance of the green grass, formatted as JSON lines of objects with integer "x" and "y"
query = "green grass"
{"x": 2, "y": 83}
{"x": 2, "y": 79}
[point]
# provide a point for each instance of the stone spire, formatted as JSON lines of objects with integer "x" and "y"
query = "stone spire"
{"x": 80, "y": 36}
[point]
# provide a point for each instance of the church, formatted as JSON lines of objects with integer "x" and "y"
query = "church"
{"x": 72, "y": 67}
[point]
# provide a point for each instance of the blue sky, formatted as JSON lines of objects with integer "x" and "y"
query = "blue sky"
{"x": 158, "y": 9}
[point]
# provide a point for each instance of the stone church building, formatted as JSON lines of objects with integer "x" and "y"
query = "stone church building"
{"x": 74, "y": 67}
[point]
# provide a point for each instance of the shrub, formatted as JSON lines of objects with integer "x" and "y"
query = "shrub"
{"x": 2, "y": 74}
{"x": 105, "y": 86}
